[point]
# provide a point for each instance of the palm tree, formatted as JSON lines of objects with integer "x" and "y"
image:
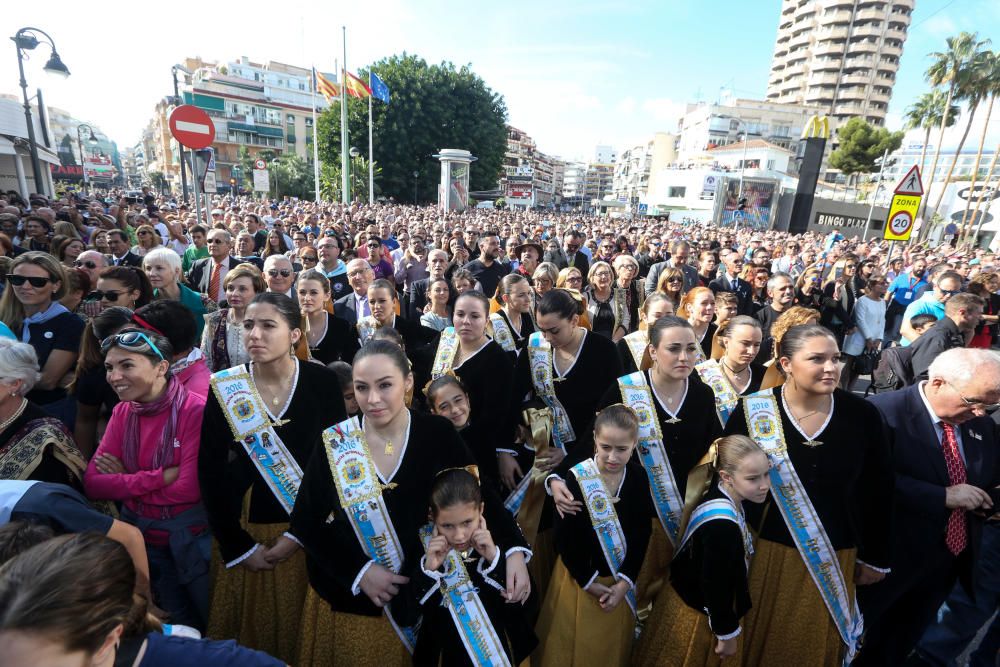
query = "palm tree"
{"x": 989, "y": 86}
{"x": 926, "y": 113}
{"x": 950, "y": 67}
{"x": 986, "y": 190}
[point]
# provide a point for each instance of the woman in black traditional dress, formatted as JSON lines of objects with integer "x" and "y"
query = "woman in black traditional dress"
{"x": 396, "y": 453}
{"x": 249, "y": 488}
{"x": 329, "y": 337}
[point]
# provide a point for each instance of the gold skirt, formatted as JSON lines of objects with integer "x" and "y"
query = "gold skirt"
{"x": 543, "y": 559}
{"x": 574, "y": 630}
{"x": 653, "y": 573}
{"x": 261, "y": 610}
{"x": 676, "y": 634}
{"x": 789, "y": 623}
{"x": 353, "y": 640}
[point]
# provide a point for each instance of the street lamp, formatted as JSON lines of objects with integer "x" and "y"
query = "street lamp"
{"x": 92, "y": 140}
{"x": 236, "y": 172}
{"x": 415, "y": 175}
{"x": 26, "y": 39}
{"x": 354, "y": 153}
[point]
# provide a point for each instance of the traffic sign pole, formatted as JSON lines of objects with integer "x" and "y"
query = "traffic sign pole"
{"x": 194, "y": 184}
{"x": 905, "y": 204}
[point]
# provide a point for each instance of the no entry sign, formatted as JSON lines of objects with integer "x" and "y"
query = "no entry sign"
{"x": 192, "y": 127}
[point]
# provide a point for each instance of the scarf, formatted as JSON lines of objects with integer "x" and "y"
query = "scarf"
{"x": 171, "y": 399}
{"x": 54, "y": 310}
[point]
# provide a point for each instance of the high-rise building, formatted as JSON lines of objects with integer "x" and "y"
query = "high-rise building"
{"x": 531, "y": 177}
{"x": 840, "y": 55}
{"x": 635, "y": 166}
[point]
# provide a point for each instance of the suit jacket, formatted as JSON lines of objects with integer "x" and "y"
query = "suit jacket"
{"x": 346, "y": 308}
{"x": 943, "y": 335}
{"x": 744, "y": 296}
{"x": 919, "y": 516}
{"x": 200, "y": 274}
{"x": 128, "y": 259}
{"x": 690, "y": 273}
{"x": 560, "y": 259}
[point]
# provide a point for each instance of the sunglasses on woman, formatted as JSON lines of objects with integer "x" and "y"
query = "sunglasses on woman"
{"x": 105, "y": 295}
{"x": 308, "y": 258}
{"x": 131, "y": 340}
{"x": 35, "y": 281}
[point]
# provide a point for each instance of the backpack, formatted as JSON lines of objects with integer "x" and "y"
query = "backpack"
{"x": 894, "y": 370}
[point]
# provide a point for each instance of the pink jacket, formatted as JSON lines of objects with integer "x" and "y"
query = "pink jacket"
{"x": 147, "y": 486}
{"x": 195, "y": 378}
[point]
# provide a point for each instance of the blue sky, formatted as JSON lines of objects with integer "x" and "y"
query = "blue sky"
{"x": 574, "y": 74}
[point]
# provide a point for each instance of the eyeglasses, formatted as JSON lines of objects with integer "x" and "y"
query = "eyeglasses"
{"x": 131, "y": 340}
{"x": 602, "y": 274}
{"x": 355, "y": 273}
{"x": 675, "y": 280}
{"x": 35, "y": 281}
{"x": 87, "y": 263}
{"x": 105, "y": 295}
{"x": 308, "y": 258}
{"x": 214, "y": 241}
{"x": 946, "y": 292}
{"x": 972, "y": 402}
{"x": 284, "y": 273}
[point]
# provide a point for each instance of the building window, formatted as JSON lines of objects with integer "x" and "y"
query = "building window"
{"x": 290, "y": 118}
{"x": 676, "y": 191}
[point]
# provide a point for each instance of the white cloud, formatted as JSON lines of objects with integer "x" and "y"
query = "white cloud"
{"x": 626, "y": 106}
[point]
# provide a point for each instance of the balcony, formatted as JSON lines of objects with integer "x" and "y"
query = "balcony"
{"x": 879, "y": 97}
{"x": 845, "y": 109}
{"x": 867, "y": 31}
{"x": 819, "y": 97}
{"x": 828, "y": 49}
{"x": 899, "y": 17}
{"x": 856, "y": 79}
{"x": 859, "y": 62}
{"x": 830, "y": 64}
{"x": 870, "y": 14}
{"x": 861, "y": 48}
{"x": 823, "y": 79}
{"x": 833, "y": 4}
{"x": 837, "y": 33}
{"x": 891, "y": 50}
{"x": 799, "y": 41}
{"x": 896, "y": 33}
{"x": 839, "y": 17}
{"x": 856, "y": 93}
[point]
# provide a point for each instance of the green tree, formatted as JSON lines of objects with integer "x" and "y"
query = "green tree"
{"x": 861, "y": 145}
{"x": 987, "y": 84}
{"x": 949, "y": 68}
{"x": 926, "y": 113}
{"x": 432, "y": 107}
{"x": 292, "y": 176}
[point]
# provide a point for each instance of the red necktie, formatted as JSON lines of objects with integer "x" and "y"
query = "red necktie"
{"x": 956, "y": 536}
{"x": 213, "y": 282}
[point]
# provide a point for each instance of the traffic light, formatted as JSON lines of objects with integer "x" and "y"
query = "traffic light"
{"x": 742, "y": 205}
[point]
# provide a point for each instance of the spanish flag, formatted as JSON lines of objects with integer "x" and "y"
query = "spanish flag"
{"x": 356, "y": 87}
{"x": 328, "y": 88}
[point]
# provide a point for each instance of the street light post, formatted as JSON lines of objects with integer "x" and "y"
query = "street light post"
{"x": 26, "y": 40}
{"x": 177, "y": 100}
{"x": 92, "y": 140}
{"x": 415, "y": 175}
{"x": 274, "y": 163}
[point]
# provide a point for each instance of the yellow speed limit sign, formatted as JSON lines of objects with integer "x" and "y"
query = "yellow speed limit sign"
{"x": 904, "y": 207}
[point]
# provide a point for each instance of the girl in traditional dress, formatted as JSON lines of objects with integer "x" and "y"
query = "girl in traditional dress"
{"x": 709, "y": 573}
{"x": 793, "y": 317}
{"x": 564, "y": 372}
{"x": 262, "y": 420}
{"x": 372, "y": 477}
{"x": 633, "y": 348}
{"x": 382, "y": 299}
{"x": 438, "y": 317}
{"x": 674, "y": 435}
{"x": 734, "y": 374}
{"x": 834, "y": 471}
{"x": 698, "y": 308}
{"x": 222, "y": 338}
{"x": 511, "y": 325}
{"x": 588, "y": 616}
{"x": 329, "y": 337}
{"x": 463, "y": 571}
{"x": 487, "y": 373}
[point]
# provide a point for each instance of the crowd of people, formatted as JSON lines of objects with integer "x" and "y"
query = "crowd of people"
{"x": 374, "y": 434}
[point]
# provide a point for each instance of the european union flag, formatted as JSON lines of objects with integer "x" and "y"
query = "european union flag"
{"x": 380, "y": 91}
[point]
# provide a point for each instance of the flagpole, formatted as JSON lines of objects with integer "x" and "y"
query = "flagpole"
{"x": 315, "y": 142}
{"x": 344, "y": 165}
{"x": 371, "y": 155}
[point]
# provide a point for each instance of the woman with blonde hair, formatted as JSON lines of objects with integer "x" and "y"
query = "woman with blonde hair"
{"x": 608, "y": 312}
{"x": 222, "y": 337}
{"x": 545, "y": 278}
{"x": 148, "y": 239}
{"x": 570, "y": 278}
{"x": 627, "y": 272}
{"x": 793, "y": 317}
{"x": 671, "y": 283}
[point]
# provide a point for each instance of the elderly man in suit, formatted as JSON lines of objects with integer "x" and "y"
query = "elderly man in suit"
{"x": 121, "y": 254}
{"x": 945, "y": 458}
{"x": 729, "y": 281}
{"x": 680, "y": 251}
{"x": 207, "y": 275}
{"x": 355, "y": 305}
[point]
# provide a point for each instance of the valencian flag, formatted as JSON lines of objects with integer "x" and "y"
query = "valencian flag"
{"x": 325, "y": 84}
{"x": 380, "y": 91}
{"x": 356, "y": 87}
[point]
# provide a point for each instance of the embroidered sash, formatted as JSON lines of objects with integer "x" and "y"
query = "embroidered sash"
{"x": 604, "y": 518}
{"x": 484, "y": 646}
{"x": 360, "y": 492}
{"x": 638, "y": 345}
{"x": 540, "y": 360}
{"x": 726, "y": 397}
{"x": 502, "y": 333}
{"x": 719, "y": 509}
{"x": 444, "y": 358}
{"x": 667, "y": 497}
{"x": 251, "y": 425}
{"x": 800, "y": 516}
{"x": 366, "y": 328}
